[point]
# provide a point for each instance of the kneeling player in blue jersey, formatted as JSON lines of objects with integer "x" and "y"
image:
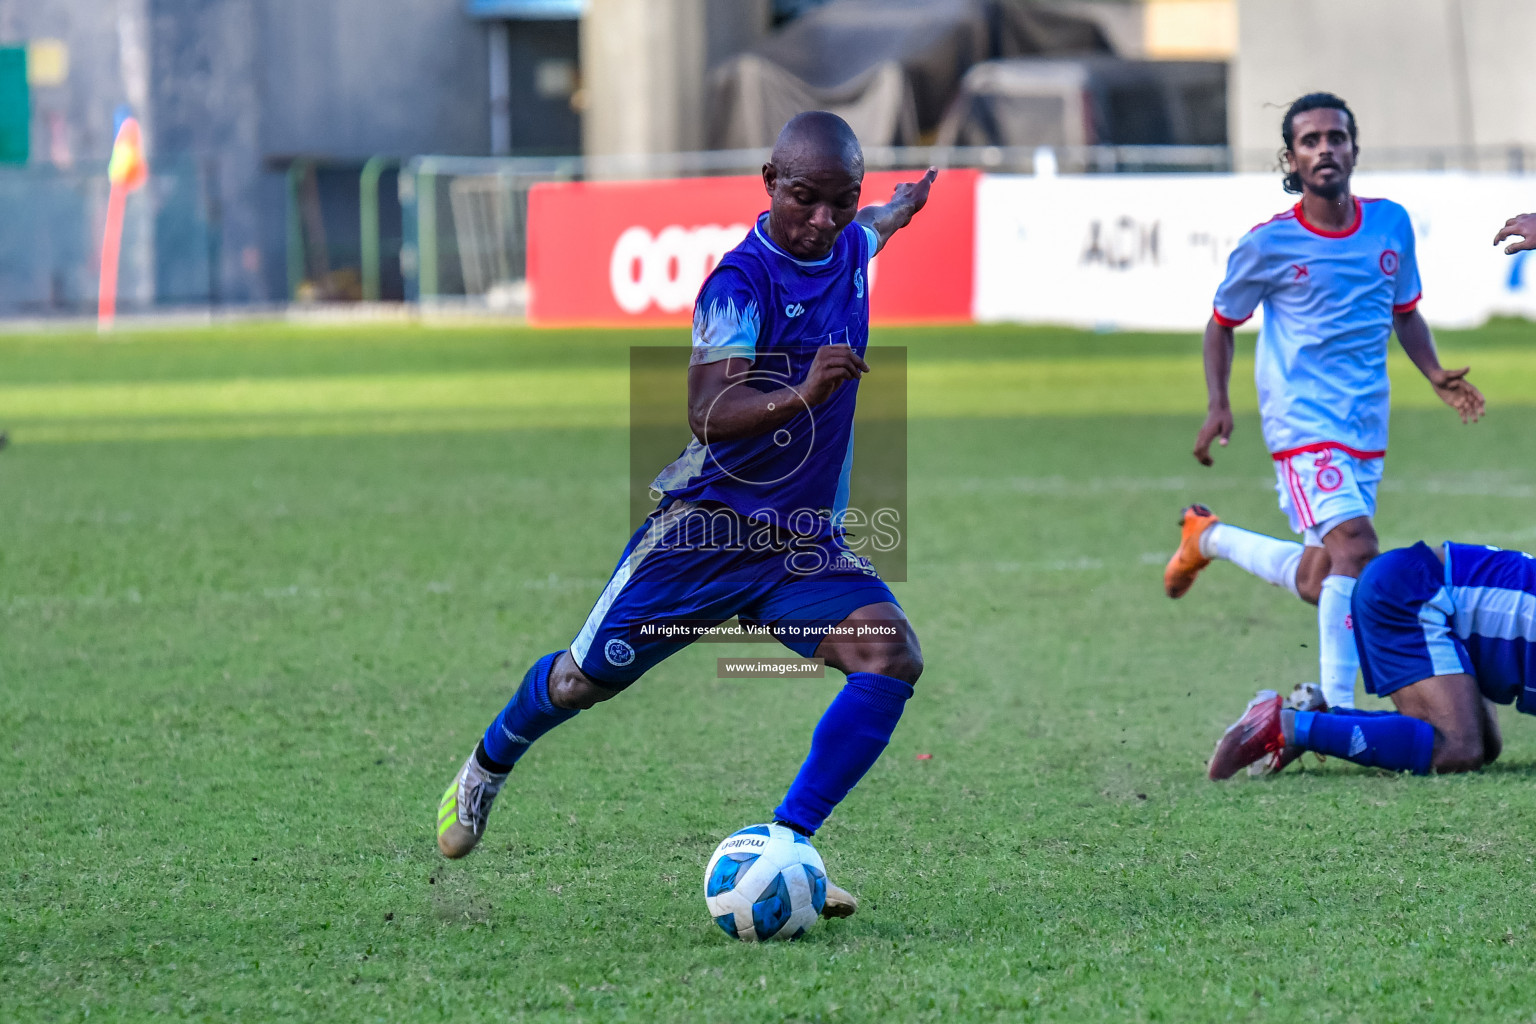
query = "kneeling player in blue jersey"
{"x": 1446, "y": 633}
{"x": 751, "y": 520}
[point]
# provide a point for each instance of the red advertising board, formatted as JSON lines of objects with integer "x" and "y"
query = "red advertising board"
{"x": 635, "y": 253}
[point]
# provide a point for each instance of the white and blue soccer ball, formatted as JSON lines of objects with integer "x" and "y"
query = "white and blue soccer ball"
{"x": 765, "y": 882}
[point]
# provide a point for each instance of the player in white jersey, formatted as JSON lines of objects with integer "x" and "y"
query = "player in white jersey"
{"x": 1336, "y": 276}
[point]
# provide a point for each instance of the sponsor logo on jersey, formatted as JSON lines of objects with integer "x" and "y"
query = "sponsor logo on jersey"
{"x": 1299, "y": 271}
{"x": 618, "y": 653}
{"x": 794, "y": 309}
{"x": 1389, "y": 262}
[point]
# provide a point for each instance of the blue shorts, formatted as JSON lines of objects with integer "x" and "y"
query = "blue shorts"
{"x": 691, "y": 565}
{"x": 1402, "y": 613}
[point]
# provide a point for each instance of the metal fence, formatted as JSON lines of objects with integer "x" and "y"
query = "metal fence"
{"x": 446, "y": 229}
{"x": 464, "y": 219}
{"x": 51, "y": 224}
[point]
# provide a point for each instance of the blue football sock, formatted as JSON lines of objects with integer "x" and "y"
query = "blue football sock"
{"x": 849, "y": 738}
{"x": 529, "y": 715}
{"x": 1380, "y": 739}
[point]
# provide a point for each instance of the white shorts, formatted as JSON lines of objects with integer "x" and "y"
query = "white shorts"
{"x": 1323, "y": 485}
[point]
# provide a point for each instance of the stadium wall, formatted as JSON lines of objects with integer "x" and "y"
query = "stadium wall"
{"x": 1418, "y": 73}
{"x": 1147, "y": 252}
{"x": 1141, "y": 252}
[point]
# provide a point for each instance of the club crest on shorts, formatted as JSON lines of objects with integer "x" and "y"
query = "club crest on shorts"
{"x": 1329, "y": 478}
{"x": 618, "y": 653}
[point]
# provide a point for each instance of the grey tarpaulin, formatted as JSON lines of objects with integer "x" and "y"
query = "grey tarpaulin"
{"x": 890, "y": 67}
{"x": 1041, "y": 101}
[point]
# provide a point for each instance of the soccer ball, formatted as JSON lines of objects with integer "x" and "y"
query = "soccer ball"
{"x": 765, "y": 882}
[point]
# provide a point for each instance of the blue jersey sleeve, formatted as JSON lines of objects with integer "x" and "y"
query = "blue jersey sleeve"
{"x": 1245, "y": 285}
{"x": 1408, "y": 291}
{"x": 727, "y": 318}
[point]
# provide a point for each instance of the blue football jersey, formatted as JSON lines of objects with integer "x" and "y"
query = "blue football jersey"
{"x": 764, "y": 305}
{"x": 1494, "y": 595}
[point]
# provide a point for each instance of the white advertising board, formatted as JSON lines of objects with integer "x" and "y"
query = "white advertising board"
{"x": 1147, "y": 251}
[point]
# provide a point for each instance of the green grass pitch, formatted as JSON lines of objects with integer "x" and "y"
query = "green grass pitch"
{"x": 260, "y": 588}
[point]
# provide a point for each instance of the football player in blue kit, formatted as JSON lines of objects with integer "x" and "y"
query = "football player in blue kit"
{"x": 751, "y": 522}
{"x": 1336, "y": 275}
{"x": 1446, "y": 633}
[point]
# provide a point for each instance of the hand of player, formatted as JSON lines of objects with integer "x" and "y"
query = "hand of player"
{"x": 832, "y": 365}
{"x": 1217, "y": 426}
{"x": 914, "y": 194}
{"x": 1457, "y": 392}
{"x": 1523, "y": 225}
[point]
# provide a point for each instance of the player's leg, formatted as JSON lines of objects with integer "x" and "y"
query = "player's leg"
{"x": 1205, "y": 538}
{"x": 857, "y": 725}
{"x": 1351, "y": 545}
{"x": 1454, "y": 707}
{"x": 553, "y": 690}
{"x": 844, "y": 613}
{"x": 1493, "y": 738}
{"x": 1337, "y": 493}
{"x": 1409, "y": 654}
{"x": 652, "y": 582}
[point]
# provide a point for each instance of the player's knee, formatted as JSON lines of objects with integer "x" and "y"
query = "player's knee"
{"x": 569, "y": 687}
{"x": 1352, "y": 546}
{"x": 1355, "y": 561}
{"x": 1492, "y": 748}
{"x": 1464, "y": 754}
{"x": 900, "y": 660}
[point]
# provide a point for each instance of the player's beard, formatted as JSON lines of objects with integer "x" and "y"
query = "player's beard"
{"x": 1330, "y": 190}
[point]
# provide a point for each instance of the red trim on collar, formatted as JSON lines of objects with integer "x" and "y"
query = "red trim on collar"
{"x": 1301, "y": 218}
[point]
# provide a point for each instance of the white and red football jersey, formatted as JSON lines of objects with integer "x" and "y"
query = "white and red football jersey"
{"x": 1328, "y": 298}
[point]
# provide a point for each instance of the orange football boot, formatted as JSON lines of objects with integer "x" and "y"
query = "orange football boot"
{"x": 1187, "y": 561}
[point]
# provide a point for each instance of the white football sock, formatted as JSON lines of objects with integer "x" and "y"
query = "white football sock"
{"x": 1338, "y": 659}
{"x": 1272, "y": 560}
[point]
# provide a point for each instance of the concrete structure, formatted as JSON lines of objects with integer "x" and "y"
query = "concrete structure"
{"x": 1162, "y": 29}
{"x": 1418, "y": 73}
{"x": 644, "y": 67}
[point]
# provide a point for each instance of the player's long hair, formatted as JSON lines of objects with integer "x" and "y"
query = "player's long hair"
{"x": 1311, "y": 101}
